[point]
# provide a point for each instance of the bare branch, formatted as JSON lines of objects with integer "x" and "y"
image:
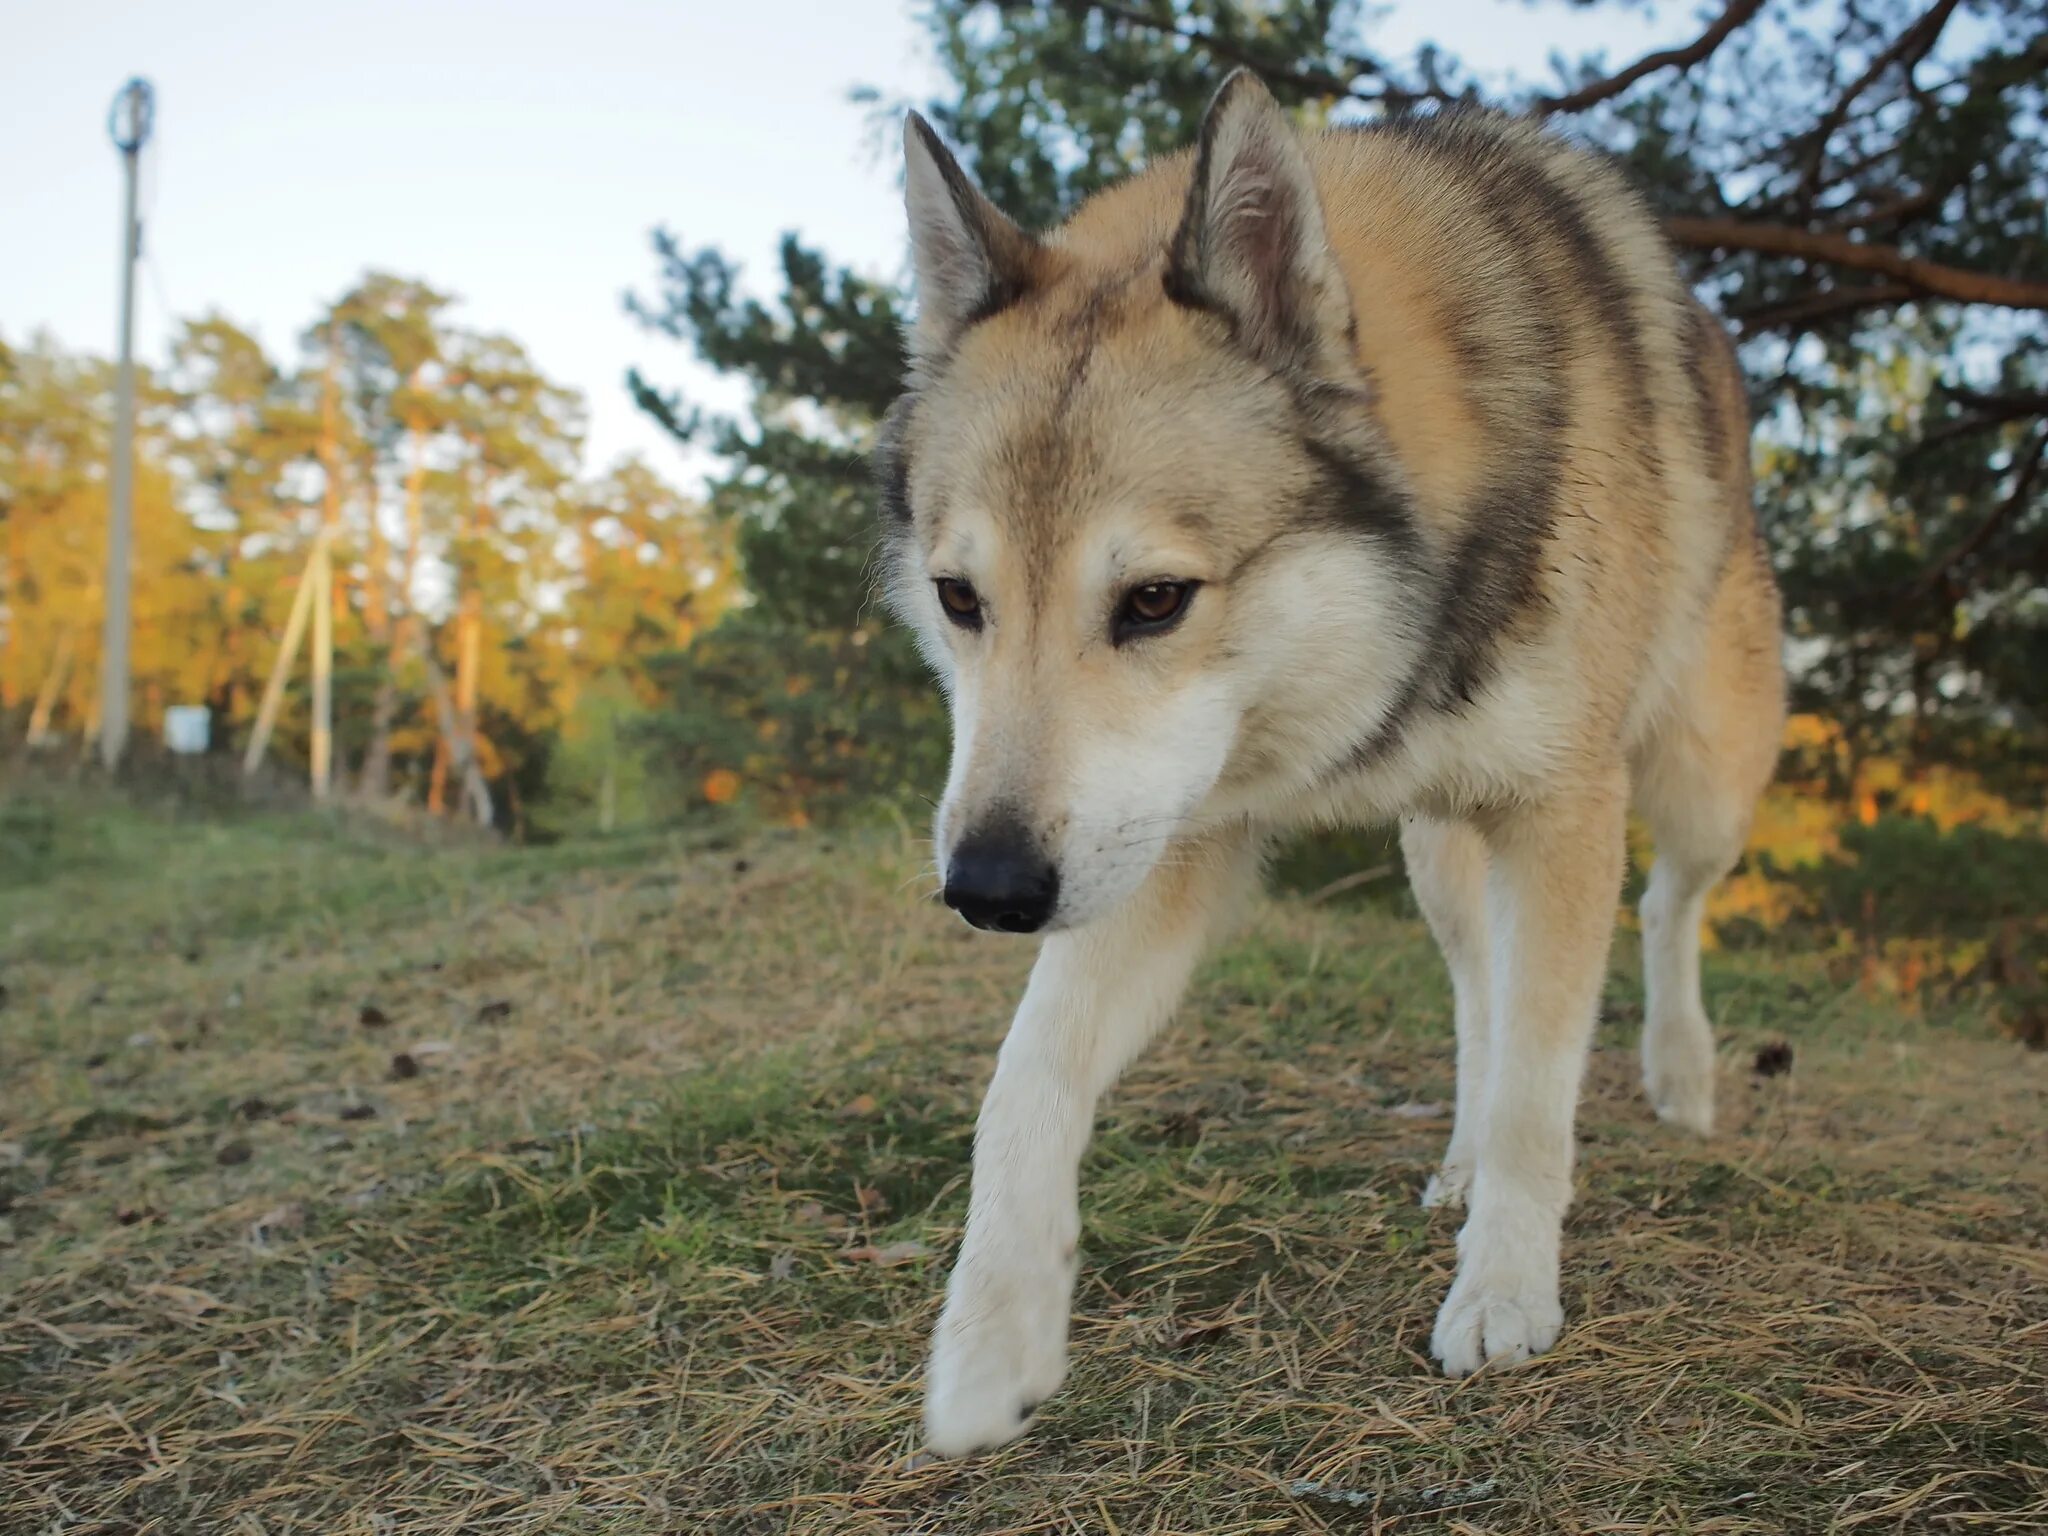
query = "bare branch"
{"x": 2001, "y": 514}
{"x": 1844, "y": 300}
{"x": 1310, "y": 82}
{"x": 1993, "y": 411}
{"x": 2002, "y": 407}
{"x": 1897, "y": 210}
{"x": 1591, "y": 94}
{"x": 1907, "y": 50}
{"x": 1925, "y": 277}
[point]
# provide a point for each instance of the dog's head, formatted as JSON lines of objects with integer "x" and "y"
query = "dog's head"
{"x": 1136, "y": 512}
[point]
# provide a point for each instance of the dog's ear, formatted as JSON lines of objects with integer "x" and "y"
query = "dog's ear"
{"x": 969, "y": 259}
{"x": 1251, "y": 245}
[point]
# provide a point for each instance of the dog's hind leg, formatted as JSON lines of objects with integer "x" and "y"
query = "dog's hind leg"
{"x": 1097, "y": 995}
{"x": 1447, "y": 871}
{"x": 1697, "y": 781}
{"x": 1553, "y": 876}
{"x": 1697, "y": 842}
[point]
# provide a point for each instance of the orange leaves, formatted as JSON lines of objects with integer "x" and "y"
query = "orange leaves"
{"x": 721, "y": 786}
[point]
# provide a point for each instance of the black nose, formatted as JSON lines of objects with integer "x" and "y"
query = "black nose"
{"x": 998, "y": 879}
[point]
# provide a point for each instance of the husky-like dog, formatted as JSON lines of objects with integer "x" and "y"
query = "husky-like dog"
{"x": 1379, "y": 473}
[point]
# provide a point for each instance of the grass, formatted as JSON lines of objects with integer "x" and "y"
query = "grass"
{"x": 351, "y": 1185}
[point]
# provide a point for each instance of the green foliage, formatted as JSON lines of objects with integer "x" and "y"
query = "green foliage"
{"x": 28, "y": 840}
{"x": 1904, "y": 877}
{"x": 817, "y": 723}
{"x": 597, "y": 774}
{"x": 1348, "y": 865}
{"x": 798, "y": 486}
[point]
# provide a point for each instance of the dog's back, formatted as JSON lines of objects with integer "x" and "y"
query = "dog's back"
{"x": 1571, "y": 420}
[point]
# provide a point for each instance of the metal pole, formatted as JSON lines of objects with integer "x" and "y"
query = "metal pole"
{"x": 129, "y": 124}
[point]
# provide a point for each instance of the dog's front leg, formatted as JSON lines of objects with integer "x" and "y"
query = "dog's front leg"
{"x": 1096, "y": 996}
{"x": 1553, "y": 878}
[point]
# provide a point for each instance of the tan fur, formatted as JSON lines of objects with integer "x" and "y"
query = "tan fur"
{"x": 1458, "y": 472}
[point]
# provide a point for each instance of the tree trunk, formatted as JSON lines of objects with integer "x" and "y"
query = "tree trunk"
{"x": 437, "y": 782}
{"x": 325, "y": 579}
{"x": 375, "y": 783}
{"x": 469, "y": 628}
{"x": 459, "y": 749}
{"x": 10, "y": 588}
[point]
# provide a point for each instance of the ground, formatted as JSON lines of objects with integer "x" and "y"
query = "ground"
{"x": 352, "y": 1181}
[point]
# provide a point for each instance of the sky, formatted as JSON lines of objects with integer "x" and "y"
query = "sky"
{"x": 516, "y": 153}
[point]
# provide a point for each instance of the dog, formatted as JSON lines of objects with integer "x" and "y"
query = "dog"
{"x": 1385, "y": 473}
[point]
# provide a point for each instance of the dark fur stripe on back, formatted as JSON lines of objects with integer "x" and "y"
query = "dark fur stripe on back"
{"x": 1490, "y": 580}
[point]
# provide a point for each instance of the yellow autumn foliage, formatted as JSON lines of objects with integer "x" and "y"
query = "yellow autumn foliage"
{"x": 1799, "y": 825}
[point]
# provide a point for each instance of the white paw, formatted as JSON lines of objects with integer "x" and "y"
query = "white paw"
{"x": 1503, "y": 1306}
{"x": 999, "y": 1351}
{"x": 1678, "y": 1074}
{"x": 1689, "y": 1105}
{"x": 1478, "y": 1328}
{"x": 1448, "y": 1186}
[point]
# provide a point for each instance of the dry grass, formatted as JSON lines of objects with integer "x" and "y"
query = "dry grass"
{"x": 602, "y": 1257}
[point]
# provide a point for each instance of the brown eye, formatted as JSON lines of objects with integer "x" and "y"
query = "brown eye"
{"x": 961, "y": 602}
{"x": 1152, "y": 607}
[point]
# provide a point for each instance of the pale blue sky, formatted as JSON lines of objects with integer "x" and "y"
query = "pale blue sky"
{"x": 516, "y": 153}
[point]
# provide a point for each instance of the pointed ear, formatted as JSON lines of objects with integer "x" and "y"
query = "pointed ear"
{"x": 1251, "y": 244}
{"x": 969, "y": 260}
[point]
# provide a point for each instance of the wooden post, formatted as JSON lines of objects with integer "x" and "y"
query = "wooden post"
{"x": 53, "y": 685}
{"x": 294, "y": 631}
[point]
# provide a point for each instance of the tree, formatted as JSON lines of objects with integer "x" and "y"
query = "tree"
{"x": 389, "y": 330}
{"x": 55, "y": 442}
{"x": 50, "y": 445}
{"x": 232, "y": 433}
{"x": 484, "y": 589}
{"x": 1860, "y": 186}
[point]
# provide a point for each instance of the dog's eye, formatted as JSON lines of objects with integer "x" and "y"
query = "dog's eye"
{"x": 961, "y": 602}
{"x": 1155, "y": 606}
